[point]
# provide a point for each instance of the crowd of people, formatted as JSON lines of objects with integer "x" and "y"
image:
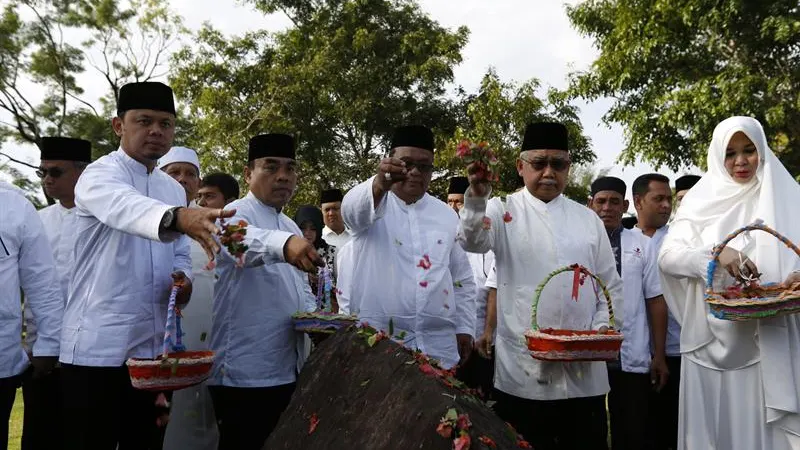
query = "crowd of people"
{"x": 456, "y": 276}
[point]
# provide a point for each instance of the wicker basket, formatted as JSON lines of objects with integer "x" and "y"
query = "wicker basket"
{"x": 321, "y": 322}
{"x": 175, "y": 369}
{"x": 573, "y": 345}
{"x": 178, "y": 371}
{"x": 754, "y": 301}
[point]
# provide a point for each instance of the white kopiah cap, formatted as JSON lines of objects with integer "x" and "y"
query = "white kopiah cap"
{"x": 180, "y": 154}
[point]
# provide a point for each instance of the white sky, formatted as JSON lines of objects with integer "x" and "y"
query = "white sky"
{"x": 521, "y": 39}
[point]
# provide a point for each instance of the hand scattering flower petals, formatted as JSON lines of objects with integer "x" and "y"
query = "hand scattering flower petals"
{"x": 481, "y": 155}
{"x": 232, "y": 237}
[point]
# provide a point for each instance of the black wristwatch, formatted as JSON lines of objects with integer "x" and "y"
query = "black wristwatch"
{"x": 170, "y": 220}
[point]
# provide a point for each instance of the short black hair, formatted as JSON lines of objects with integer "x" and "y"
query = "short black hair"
{"x": 224, "y": 182}
{"x": 641, "y": 185}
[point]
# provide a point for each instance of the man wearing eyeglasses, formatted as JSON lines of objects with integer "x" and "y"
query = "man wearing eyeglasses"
{"x": 407, "y": 268}
{"x": 62, "y": 162}
{"x": 533, "y": 232}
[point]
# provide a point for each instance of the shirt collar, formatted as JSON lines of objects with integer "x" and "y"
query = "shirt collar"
{"x": 269, "y": 208}
{"x": 131, "y": 163}
{"x": 539, "y": 204}
{"x": 326, "y": 231}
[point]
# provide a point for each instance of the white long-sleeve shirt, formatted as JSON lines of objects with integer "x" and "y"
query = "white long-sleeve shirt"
{"x": 60, "y": 225}
{"x": 26, "y": 262}
{"x": 640, "y": 282}
{"x": 121, "y": 281}
{"x": 389, "y": 245}
{"x": 540, "y": 238}
{"x": 482, "y": 265}
{"x": 252, "y": 332}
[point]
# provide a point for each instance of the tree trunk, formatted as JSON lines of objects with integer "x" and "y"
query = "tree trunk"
{"x": 377, "y": 398}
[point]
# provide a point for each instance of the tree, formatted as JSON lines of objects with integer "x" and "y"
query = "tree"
{"x": 29, "y": 187}
{"x": 498, "y": 114}
{"x": 677, "y": 68}
{"x": 123, "y": 45}
{"x": 579, "y": 183}
{"x": 340, "y": 80}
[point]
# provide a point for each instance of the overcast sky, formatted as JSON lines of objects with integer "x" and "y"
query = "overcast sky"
{"x": 521, "y": 39}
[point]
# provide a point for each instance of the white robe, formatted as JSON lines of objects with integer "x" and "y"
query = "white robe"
{"x": 192, "y": 424}
{"x": 482, "y": 264}
{"x": 26, "y": 263}
{"x": 389, "y": 243}
{"x": 739, "y": 380}
{"x": 252, "y": 332}
{"x": 540, "y": 238}
{"x": 60, "y": 224}
{"x": 122, "y": 276}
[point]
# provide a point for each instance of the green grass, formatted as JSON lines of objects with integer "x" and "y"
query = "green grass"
{"x": 15, "y": 424}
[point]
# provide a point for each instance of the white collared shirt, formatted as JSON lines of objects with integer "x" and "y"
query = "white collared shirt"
{"x": 389, "y": 246}
{"x": 538, "y": 239}
{"x": 60, "y": 225}
{"x": 337, "y": 240}
{"x": 482, "y": 264}
{"x": 252, "y": 332}
{"x": 640, "y": 282}
{"x": 673, "y": 347}
{"x": 26, "y": 262}
{"x": 121, "y": 281}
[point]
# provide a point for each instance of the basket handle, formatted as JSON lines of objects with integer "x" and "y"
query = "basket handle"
{"x": 173, "y": 315}
{"x": 757, "y": 225}
{"x": 570, "y": 268}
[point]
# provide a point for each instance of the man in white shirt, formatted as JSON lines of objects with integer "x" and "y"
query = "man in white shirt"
{"x": 217, "y": 190}
{"x": 408, "y": 268}
{"x": 130, "y": 246}
{"x": 534, "y": 232}
{"x": 335, "y": 232}
{"x": 258, "y": 353}
{"x": 652, "y": 198}
{"x": 62, "y": 162}
{"x": 26, "y": 263}
{"x": 477, "y": 372}
{"x": 636, "y": 373}
{"x": 192, "y": 423}
{"x": 183, "y": 165}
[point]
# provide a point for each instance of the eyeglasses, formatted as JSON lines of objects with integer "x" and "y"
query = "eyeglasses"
{"x": 422, "y": 167}
{"x": 54, "y": 172}
{"x": 557, "y": 164}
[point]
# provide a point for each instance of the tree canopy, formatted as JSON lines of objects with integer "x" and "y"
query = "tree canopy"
{"x": 677, "y": 68}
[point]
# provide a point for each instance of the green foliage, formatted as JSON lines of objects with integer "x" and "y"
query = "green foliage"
{"x": 677, "y": 68}
{"x": 124, "y": 44}
{"x": 579, "y": 183}
{"x": 30, "y": 187}
{"x": 340, "y": 81}
{"x": 498, "y": 114}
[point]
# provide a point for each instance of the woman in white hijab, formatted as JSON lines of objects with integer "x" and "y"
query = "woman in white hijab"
{"x": 739, "y": 380}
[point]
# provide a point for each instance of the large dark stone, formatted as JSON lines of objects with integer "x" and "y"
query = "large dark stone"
{"x": 377, "y": 398}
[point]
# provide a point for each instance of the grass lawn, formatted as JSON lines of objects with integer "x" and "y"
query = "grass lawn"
{"x": 15, "y": 424}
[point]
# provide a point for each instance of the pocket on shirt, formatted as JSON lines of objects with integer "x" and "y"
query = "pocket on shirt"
{"x": 439, "y": 245}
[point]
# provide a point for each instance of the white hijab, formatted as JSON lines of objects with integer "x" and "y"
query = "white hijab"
{"x": 716, "y": 206}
